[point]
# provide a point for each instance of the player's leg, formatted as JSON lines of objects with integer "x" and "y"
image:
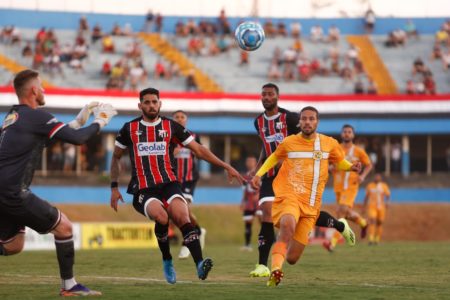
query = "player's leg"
{"x": 266, "y": 236}
{"x": 12, "y": 236}
{"x": 379, "y": 223}
{"x": 248, "y": 221}
{"x": 13, "y": 245}
{"x": 371, "y": 224}
{"x": 148, "y": 203}
{"x": 351, "y": 214}
{"x": 179, "y": 213}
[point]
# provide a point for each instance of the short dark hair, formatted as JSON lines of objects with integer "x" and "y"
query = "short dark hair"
{"x": 179, "y": 111}
{"x": 312, "y": 108}
{"x": 272, "y": 85}
{"x": 151, "y": 91}
{"x": 348, "y": 126}
{"x": 21, "y": 80}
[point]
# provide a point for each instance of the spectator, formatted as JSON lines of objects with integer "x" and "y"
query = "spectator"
{"x": 281, "y": 29}
{"x": 5, "y": 35}
{"x": 106, "y": 68}
{"x": 442, "y": 37}
{"x": 411, "y": 30}
{"x": 316, "y": 34}
{"x": 359, "y": 87}
{"x": 96, "y": 33}
{"x": 437, "y": 53}
{"x": 430, "y": 85}
{"x": 180, "y": 29}
{"x": 69, "y": 157}
{"x": 116, "y": 31}
{"x": 243, "y": 58}
{"x": 222, "y": 44}
{"x": 40, "y": 36}
{"x": 213, "y": 48}
{"x": 173, "y": 70}
{"x": 369, "y": 19}
{"x": 446, "y": 60}
{"x": 298, "y": 46}
{"x": 137, "y": 74}
{"x": 410, "y": 87}
{"x": 269, "y": 29}
{"x": 27, "y": 51}
{"x": 420, "y": 88}
{"x": 274, "y": 71}
{"x": 304, "y": 72}
{"x": 108, "y": 44}
{"x": 83, "y": 25}
{"x": 15, "y": 36}
{"x": 296, "y": 30}
{"x": 149, "y": 21}
{"x": 333, "y": 34}
{"x": 352, "y": 54}
{"x": 127, "y": 30}
{"x": 191, "y": 83}
{"x": 396, "y": 155}
{"x": 418, "y": 67}
{"x": 158, "y": 23}
{"x": 160, "y": 70}
{"x": 371, "y": 88}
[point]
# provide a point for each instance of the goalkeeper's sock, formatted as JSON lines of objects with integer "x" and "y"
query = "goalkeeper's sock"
{"x": 278, "y": 255}
{"x": 265, "y": 240}
{"x": 162, "y": 236}
{"x": 191, "y": 240}
{"x": 65, "y": 253}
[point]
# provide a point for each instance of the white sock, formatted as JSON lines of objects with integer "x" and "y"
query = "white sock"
{"x": 67, "y": 284}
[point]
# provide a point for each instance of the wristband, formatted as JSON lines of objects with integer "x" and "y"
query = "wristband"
{"x": 114, "y": 184}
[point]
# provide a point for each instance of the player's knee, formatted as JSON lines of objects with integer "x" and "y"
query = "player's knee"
{"x": 64, "y": 228}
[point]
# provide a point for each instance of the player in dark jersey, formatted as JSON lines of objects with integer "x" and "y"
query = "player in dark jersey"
{"x": 249, "y": 203}
{"x": 25, "y": 132}
{"x": 157, "y": 194}
{"x": 187, "y": 175}
{"x": 272, "y": 126}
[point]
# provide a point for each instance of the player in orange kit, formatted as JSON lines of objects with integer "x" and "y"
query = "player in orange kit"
{"x": 375, "y": 203}
{"x": 298, "y": 187}
{"x": 346, "y": 184}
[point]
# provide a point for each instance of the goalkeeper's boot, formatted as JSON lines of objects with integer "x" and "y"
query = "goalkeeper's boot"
{"x": 260, "y": 271}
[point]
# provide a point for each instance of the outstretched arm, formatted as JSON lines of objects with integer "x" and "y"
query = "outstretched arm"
{"x": 77, "y": 136}
{"x": 270, "y": 162}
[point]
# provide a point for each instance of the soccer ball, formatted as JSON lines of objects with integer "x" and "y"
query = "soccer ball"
{"x": 249, "y": 36}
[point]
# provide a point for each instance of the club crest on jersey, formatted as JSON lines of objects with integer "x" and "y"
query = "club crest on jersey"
{"x": 279, "y": 125}
{"x": 162, "y": 133}
{"x": 154, "y": 148}
{"x": 10, "y": 119}
{"x": 277, "y": 137}
{"x": 317, "y": 155}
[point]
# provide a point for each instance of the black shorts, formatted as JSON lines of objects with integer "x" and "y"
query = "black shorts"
{"x": 164, "y": 193}
{"x": 266, "y": 192}
{"x": 26, "y": 209}
{"x": 188, "y": 188}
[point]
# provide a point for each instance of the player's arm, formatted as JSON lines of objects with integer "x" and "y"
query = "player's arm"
{"x": 367, "y": 167}
{"x": 337, "y": 156}
{"x": 366, "y": 198}
{"x": 204, "y": 153}
{"x": 270, "y": 162}
{"x": 77, "y": 136}
{"x": 114, "y": 174}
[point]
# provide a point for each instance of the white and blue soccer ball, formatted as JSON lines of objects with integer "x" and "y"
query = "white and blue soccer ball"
{"x": 249, "y": 36}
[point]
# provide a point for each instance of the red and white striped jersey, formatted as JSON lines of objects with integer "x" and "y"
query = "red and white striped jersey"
{"x": 272, "y": 131}
{"x": 151, "y": 148}
{"x": 186, "y": 163}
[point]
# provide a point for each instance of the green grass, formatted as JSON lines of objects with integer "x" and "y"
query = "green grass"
{"x": 388, "y": 271}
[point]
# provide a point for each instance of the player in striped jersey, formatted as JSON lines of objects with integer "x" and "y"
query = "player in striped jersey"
{"x": 298, "y": 187}
{"x": 273, "y": 126}
{"x": 157, "y": 194}
{"x": 187, "y": 175}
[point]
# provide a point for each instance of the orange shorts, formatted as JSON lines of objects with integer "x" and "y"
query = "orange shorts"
{"x": 376, "y": 213}
{"x": 304, "y": 214}
{"x": 346, "y": 197}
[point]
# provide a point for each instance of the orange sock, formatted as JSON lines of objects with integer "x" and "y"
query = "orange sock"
{"x": 335, "y": 238}
{"x": 278, "y": 255}
{"x": 371, "y": 232}
{"x": 378, "y": 233}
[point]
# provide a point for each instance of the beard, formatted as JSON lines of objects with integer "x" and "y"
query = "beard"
{"x": 308, "y": 130}
{"x": 269, "y": 106}
{"x": 151, "y": 114}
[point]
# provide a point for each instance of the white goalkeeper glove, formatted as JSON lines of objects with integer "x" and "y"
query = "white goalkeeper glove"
{"x": 103, "y": 113}
{"x": 83, "y": 115}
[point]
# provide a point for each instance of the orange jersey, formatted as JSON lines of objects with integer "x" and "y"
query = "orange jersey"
{"x": 350, "y": 180}
{"x": 376, "y": 193}
{"x": 304, "y": 171}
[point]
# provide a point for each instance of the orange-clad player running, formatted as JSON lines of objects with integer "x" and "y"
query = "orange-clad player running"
{"x": 299, "y": 186}
{"x": 375, "y": 203}
{"x": 346, "y": 184}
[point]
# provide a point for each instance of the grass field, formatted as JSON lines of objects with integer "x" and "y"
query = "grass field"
{"x": 406, "y": 270}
